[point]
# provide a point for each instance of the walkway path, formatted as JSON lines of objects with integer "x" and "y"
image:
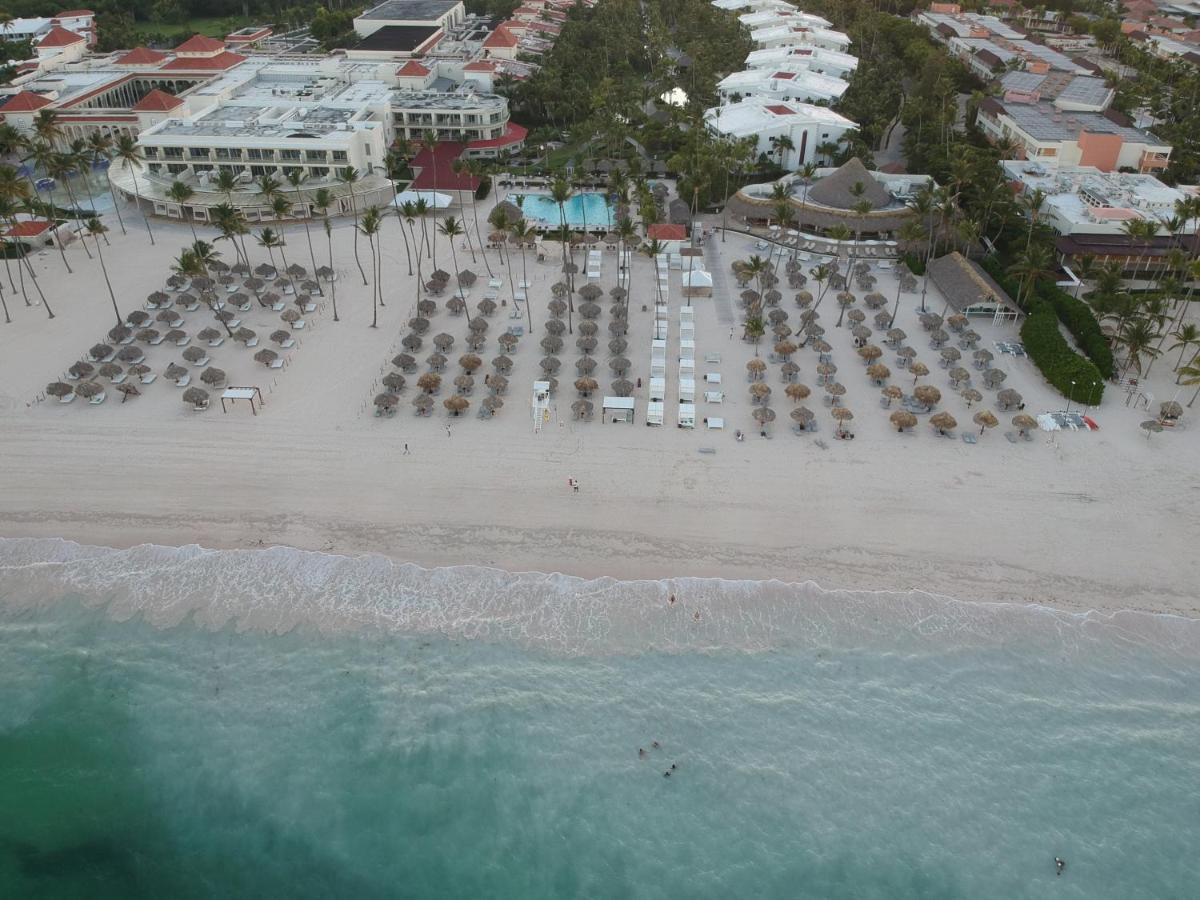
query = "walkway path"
{"x": 722, "y": 298}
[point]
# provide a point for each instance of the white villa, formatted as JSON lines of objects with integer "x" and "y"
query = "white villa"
{"x": 789, "y": 83}
{"x": 806, "y": 126}
{"x": 814, "y": 59}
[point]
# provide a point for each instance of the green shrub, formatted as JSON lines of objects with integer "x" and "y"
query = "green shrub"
{"x": 1059, "y": 364}
{"x": 1082, "y": 324}
{"x": 914, "y": 263}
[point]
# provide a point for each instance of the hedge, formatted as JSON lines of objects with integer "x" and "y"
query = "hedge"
{"x": 914, "y": 263}
{"x": 1049, "y": 350}
{"x": 1082, "y": 324}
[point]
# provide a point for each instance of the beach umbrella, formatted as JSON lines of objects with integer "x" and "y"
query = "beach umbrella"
{"x": 498, "y": 384}
{"x": 1008, "y": 398}
{"x": 982, "y": 357}
{"x": 435, "y": 287}
{"x": 296, "y": 270}
{"x": 203, "y": 284}
{"x": 436, "y": 361}
{"x": 426, "y": 308}
{"x": 759, "y": 392}
{"x": 803, "y": 299}
{"x": 943, "y": 422}
{"x": 883, "y": 320}
{"x": 591, "y": 292}
{"x": 957, "y": 322}
{"x": 777, "y": 316}
{"x": 797, "y": 392}
{"x": 418, "y": 324}
{"x": 225, "y": 316}
{"x": 797, "y": 279}
{"x": 423, "y": 404}
{"x": 879, "y": 373}
{"x": 290, "y": 316}
{"x": 59, "y": 389}
{"x": 908, "y": 283}
{"x": 310, "y": 287}
{"x": 212, "y": 376}
{"x": 969, "y": 338}
{"x": 456, "y": 405}
{"x": 552, "y": 344}
{"x": 197, "y": 397}
{"x": 802, "y": 415}
{"x": 985, "y": 420}
{"x": 456, "y": 306}
{"x": 861, "y": 332}
{"x": 158, "y": 298}
{"x": 148, "y": 334}
{"x": 470, "y": 362}
{"x": 938, "y": 337}
{"x": 464, "y": 383}
{"x": 782, "y": 331}
{"x": 324, "y": 272}
{"x": 242, "y": 335}
{"x": 749, "y": 297}
{"x": 491, "y": 405}
{"x": 763, "y": 415}
{"x": 555, "y": 327}
{"x": 81, "y": 369}
{"x": 931, "y": 321}
{"x": 586, "y": 344}
{"x": 550, "y": 364}
{"x": 174, "y": 372}
{"x": 875, "y": 300}
{"x": 466, "y": 278}
{"x": 109, "y": 370}
{"x": 870, "y": 353}
{"x": 902, "y": 419}
{"x": 950, "y": 355}
{"x": 617, "y": 346}
{"x": 590, "y": 310}
{"x": 896, "y": 335}
{"x": 176, "y": 281}
{"x": 475, "y": 341}
{"x": 586, "y": 384}
{"x": 588, "y": 329}
{"x": 240, "y": 268}
{"x": 497, "y": 237}
{"x": 619, "y": 365}
{"x": 256, "y": 285}
{"x": 971, "y": 396}
{"x": 119, "y": 333}
{"x": 835, "y": 390}
{"x": 826, "y": 369}
{"x": 994, "y": 377}
{"x": 958, "y": 375}
{"x": 617, "y": 327}
{"x": 557, "y": 308}
{"x": 486, "y": 307}
{"x": 856, "y": 316}
{"x": 772, "y": 297}
{"x": 130, "y": 355}
{"x": 411, "y": 342}
{"x": 175, "y": 335}
{"x": 478, "y": 325}
{"x": 785, "y": 349}
{"x": 1024, "y": 423}
{"x": 1170, "y": 409}
{"x": 842, "y": 414}
{"x": 266, "y": 356}
{"x": 502, "y": 364}
{"x": 440, "y": 275}
{"x": 586, "y": 365}
{"x": 755, "y": 367}
{"x": 100, "y": 352}
{"x": 892, "y": 392}
{"x": 618, "y": 293}
{"x": 265, "y": 270}
{"x": 394, "y": 382}
{"x": 821, "y": 346}
{"x": 918, "y": 369}
{"x": 789, "y": 370}
{"x": 906, "y": 353}
{"x": 266, "y": 301}
{"x": 139, "y": 369}
{"x": 283, "y": 283}
{"x": 508, "y": 342}
{"x": 127, "y": 391}
{"x": 582, "y": 409}
{"x": 622, "y": 387}
{"x": 559, "y": 289}
{"x": 443, "y": 341}
{"x": 927, "y": 395}
{"x": 168, "y": 316}
{"x": 430, "y": 382}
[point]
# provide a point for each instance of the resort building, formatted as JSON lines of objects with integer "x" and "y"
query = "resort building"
{"x": 790, "y": 133}
{"x": 814, "y": 59}
{"x": 794, "y": 82}
{"x": 831, "y": 197}
{"x": 969, "y": 290}
{"x": 789, "y": 35}
{"x": 409, "y": 14}
{"x": 988, "y": 46}
{"x": 767, "y": 18}
{"x": 478, "y": 120}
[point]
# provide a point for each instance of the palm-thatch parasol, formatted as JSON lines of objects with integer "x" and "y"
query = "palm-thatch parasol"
{"x": 464, "y": 383}
{"x": 394, "y": 382}
{"x": 212, "y": 376}
{"x": 585, "y": 365}
{"x": 892, "y": 392}
{"x": 883, "y": 320}
{"x": 466, "y": 278}
{"x": 870, "y": 353}
{"x": 196, "y": 397}
{"x": 423, "y": 404}
{"x": 559, "y": 289}
{"x": 618, "y": 346}
{"x": 617, "y": 327}
{"x": 138, "y": 370}
{"x": 491, "y": 405}
{"x": 1169, "y": 409}
{"x": 618, "y": 293}
{"x": 826, "y": 369}
{"x": 950, "y": 354}
{"x": 918, "y": 369}
{"x": 590, "y": 310}
{"x": 486, "y": 307}
{"x": 456, "y": 405}
{"x": 622, "y": 387}
{"x": 789, "y": 370}
{"x": 958, "y": 375}
{"x": 931, "y": 321}
{"x": 956, "y": 322}
{"x": 835, "y": 390}
{"x": 254, "y": 284}
{"x": 619, "y": 365}
{"x": 763, "y": 415}
{"x": 857, "y": 316}
{"x": 418, "y": 324}
{"x": 426, "y": 308}
{"x": 148, "y": 335}
{"x": 291, "y": 316}
{"x": 130, "y": 355}
{"x": 586, "y": 344}
{"x": 906, "y": 353}
{"x": 875, "y": 300}
{"x": 109, "y": 370}
{"x": 842, "y": 415}
{"x": 552, "y": 344}
{"x": 821, "y": 346}
{"x": 443, "y": 341}
{"x": 902, "y": 419}
{"x": 168, "y": 316}
{"x": 440, "y": 275}
{"x": 81, "y": 369}
{"x": 127, "y": 391}
{"x": 265, "y": 270}
{"x": 386, "y": 401}
{"x": 412, "y": 342}
{"x": 502, "y": 364}
{"x": 878, "y": 373}
{"x": 100, "y": 352}
{"x": 555, "y": 327}
{"x": 1023, "y": 423}
{"x": 430, "y": 382}
{"x": 755, "y": 368}
{"x": 802, "y": 415}
{"x": 324, "y": 273}
{"x": 194, "y": 354}
{"x": 1008, "y": 398}
{"x": 927, "y": 395}
{"x": 994, "y": 377}
{"x": 550, "y": 364}
{"x": 943, "y": 422}
{"x": 797, "y": 392}
{"x": 803, "y": 299}
{"x": 861, "y": 333}
{"x": 266, "y": 356}
{"x": 456, "y": 306}
{"x": 591, "y": 291}
{"x": 982, "y": 358}
{"x": 586, "y": 385}
{"x": 971, "y": 396}
{"x": 772, "y": 297}
{"x": 498, "y": 384}
{"x": 59, "y": 389}
{"x": 782, "y": 331}
{"x": 174, "y": 372}
{"x": 176, "y": 336}
{"x": 985, "y": 420}
{"x": 588, "y": 328}
{"x": 760, "y": 392}
{"x": 969, "y": 339}
{"x": 436, "y": 361}
{"x": 119, "y": 333}
{"x": 470, "y": 362}
{"x": 508, "y": 342}
{"x": 582, "y": 409}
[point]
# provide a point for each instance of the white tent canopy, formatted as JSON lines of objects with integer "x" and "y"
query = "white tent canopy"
{"x": 433, "y": 198}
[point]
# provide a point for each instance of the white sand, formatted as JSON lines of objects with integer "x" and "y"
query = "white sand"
{"x": 1101, "y": 520}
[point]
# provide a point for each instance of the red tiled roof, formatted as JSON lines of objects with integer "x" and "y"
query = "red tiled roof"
{"x": 27, "y": 228}
{"x": 26, "y": 101}
{"x": 780, "y": 110}
{"x": 513, "y": 134}
{"x": 501, "y": 37}
{"x": 436, "y": 172}
{"x": 482, "y": 65}
{"x": 412, "y": 69}
{"x": 73, "y": 13}
{"x": 142, "y": 56}
{"x": 226, "y": 60}
{"x": 784, "y": 75}
{"x": 157, "y": 101}
{"x": 664, "y": 232}
{"x": 198, "y": 43}
{"x": 60, "y": 37}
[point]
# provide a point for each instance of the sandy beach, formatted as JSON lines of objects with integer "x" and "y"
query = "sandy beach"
{"x": 1090, "y": 520}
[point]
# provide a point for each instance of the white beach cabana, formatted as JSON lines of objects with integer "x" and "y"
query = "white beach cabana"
{"x": 618, "y": 409}
{"x": 435, "y": 199}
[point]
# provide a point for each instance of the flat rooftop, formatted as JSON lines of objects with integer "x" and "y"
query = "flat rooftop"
{"x": 440, "y": 100}
{"x": 1039, "y": 121}
{"x": 402, "y": 38}
{"x": 402, "y": 10}
{"x": 243, "y": 122}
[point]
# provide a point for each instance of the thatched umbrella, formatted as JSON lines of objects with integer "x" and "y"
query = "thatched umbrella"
{"x": 902, "y": 419}
{"x": 906, "y": 354}
{"x": 763, "y": 415}
{"x": 908, "y": 283}
{"x": 59, "y": 389}
{"x": 324, "y": 273}
{"x": 486, "y": 307}
{"x": 478, "y": 325}
{"x": 1008, "y": 398}
{"x": 777, "y": 316}
{"x": 202, "y": 284}
{"x": 956, "y": 322}
{"x": 617, "y": 327}
{"x": 464, "y": 383}
{"x": 789, "y": 370}
{"x": 394, "y": 382}
{"x": 931, "y": 321}
{"x": 148, "y": 335}
{"x": 803, "y": 299}
{"x": 985, "y": 420}
{"x": 296, "y": 270}
{"x": 797, "y": 392}
{"x": 892, "y": 392}
{"x": 749, "y": 298}
{"x": 994, "y": 377}
{"x": 875, "y": 300}
{"x": 772, "y": 297}
{"x": 426, "y": 308}
{"x": 586, "y": 385}
{"x": 436, "y": 361}
{"x": 81, "y": 369}
{"x": 195, "y": 355}
{"x": 835, "y": 390}
{"x": 127, "y": 391}
{"x": 242, "y": 335}
{"x": 585, "y": 365}
{"x": 918, "y": 369}
{"x": 617, "y": 346}
{"x": 755, "y": 368}
{"x": 491, "y": 405}
{"x": 266, "y": 356}
{"x": 582, "y": 409}
{"x": 256, "y": 285}
{"x": 896, "y": 335}
{"x": 386, "y": 401}
{"x": 412, "y": 342}
{"x": 826, "y": 369}
{"x": 552, "y": 344}
{"x": 958, "y": 375}
{"x": 291, "y": 316}
{"x": 138, "y": 370}
{"x": 950, "y": 354}
{"x": 590, "y": 310}
{"x": 423, "y": 404}
{"x": 174, "y": 372}
{"x": 843, "y": 416}
{"x": 456, "y": 306}
{"x": 119, "y": 333}
{"x": 168, "y": 316}
{"x": 883, "y": 320}
{"x": 622, "y": 387}
{"x": 782, "y": 331}
{"x": 870, "y": 353}
{"x": 456, "y": 405}
{"x": 498, "y": 384}
{"x": 100, "y": 352}
{"x": 591, "y": 292}
{"x": 1170, "y": 409}
{"x": 226, "y": 316}
{"x": 559, "y": 289}
{"x": 550, "y": 364}
{"x": 443, "y": 341}
{"x": 109, "y": 370}
{"x": 588, "y": 329}
{"x": 475, "y": 341}
{"x": 971, "y": 396}
{"x": 927, "y": 395}
{"x": 176, "y": 281}
{"x": 502, "y": 364}
{"x": 176, "y": 336}
{"x": 130, "y": 355}
{"x": 802, "y": 415}
{"x": 435, "y": 287}
{"x": 943, "y": 422}
{"x": 618, "y": 293}
{"x": 1023, "y": 423}
{"x": 879, "y": 373}
{"x": 265, "y": 270}
{"x": 466, "y": 278}
{"x": 619, "y": 364}
{"x": 861, "y": 333}
{"x": 969, "y": 339}
{"x": 497, "y": 237}
{"x": 938, "y": 337}
{"x": 508, "y": 342}
{"x": 196, "y": 397}
{"x": 470, "y": 362}
{"x": 440, "y": 275}
{"x": 555, "y": 327}
{"x": 430, "y": 382}
{"x": 821, "y": 346}
{"x": 982, "y": 358}
{"x": 212, "y": 376}
{"x": 856, "y": 316}
{"x": 418, "y": 324}
{"x": 586, "y": 344}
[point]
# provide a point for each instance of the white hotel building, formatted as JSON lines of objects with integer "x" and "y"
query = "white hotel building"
{"x": 805, "y": 125}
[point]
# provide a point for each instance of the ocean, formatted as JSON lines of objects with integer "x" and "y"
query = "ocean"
{"x": 178, "y": 722}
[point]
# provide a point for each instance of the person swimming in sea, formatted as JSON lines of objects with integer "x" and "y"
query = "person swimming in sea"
{"x": 641, "y": 752}
{"x": 654, "y": 744}
{"x": 671, "y": 602}
{"x": 1059, "y": 865}
{"x": 666, "y": 774}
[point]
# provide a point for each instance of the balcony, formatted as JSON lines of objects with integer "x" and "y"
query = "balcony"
{"x": 1153, "y": 162}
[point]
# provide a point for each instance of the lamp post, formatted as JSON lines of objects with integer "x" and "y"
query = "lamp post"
{"x": 1088, "y": 406}
{"x": 1070, "y": 396}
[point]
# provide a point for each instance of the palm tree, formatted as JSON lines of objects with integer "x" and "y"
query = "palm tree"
{"x": 229, "y": 222}
{"x": 296, "y": 178}
{"x": 14, "y": 190}
{"x": 1138, "y": 341}
{"x": 1085, "y": 270}
{"x": 95, "y": 229}
{"x": 281, "y": 208}
{"x": 43, "y": 156}
{"x": 47, "y": 128}
{"x": 349, "y": 177}
{"x": 4, "y": 303}
{"x": 226, "y": 183}
{"x": 1031, "y": 265}
{"x": 1186, "y": 337}
{"x": 131, "y": 158}
{"x": 782, "y": 144}
{"x": 269, "y": 239}
{"x": 409, "y": 211}
{"x": 1032, "y": 204}
{"x": 101, "y": 145}
{"x": 180, "y": 193}
{"x": 524, "y": 233}
{"x": 626, "y": 233}
{"x": 370, "y": 227}
{"x": 451, "y": 229}
{"x": 420, "y": 208}
{"x": 322, "y": 200}
{"x": 1188, "y": 376}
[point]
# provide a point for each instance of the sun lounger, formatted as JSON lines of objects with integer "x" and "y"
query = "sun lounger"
{"x": 715, "y": 423}
{"x": 288, "y": 343}
{"x": 154, "y": 343}
{"x": 253, "y": 342}
{"x": 97, "y": 400}
{"x": 183, "y": 341}
{"x": 201, "y": 362}
{"x": 276, "y": 363}
{"x": 714, "y": 397}
{"x": 216, "y": 342}
{"x": 184, "y": 381}
{"x": 149, "y": 378}
{"x": 193, "y": 306}
{"x": 969, "y": 438}
{"x": 234, "y": 323}
{"x": 1010, "y": 437}
{"x": 201, "y": 406}
{"x": 298, "y": 324}
{"x": 67, "y": 398}
{"x": 277, "y": 306}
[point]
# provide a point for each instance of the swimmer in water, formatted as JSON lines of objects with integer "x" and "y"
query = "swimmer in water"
{"x": 696, "y": 616}
{"x": 666, "y": 774}
{"x": 654, "y": 744}
{"x": 672, "y": 767}
{"x": 641, "y": 752}
{"x": 671, "y": 602}
{"x": 1059, "y": 865}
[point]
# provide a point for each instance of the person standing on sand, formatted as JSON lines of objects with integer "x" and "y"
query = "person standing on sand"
{"x": 406, "y": 453}
{"x": 447, "y": 431}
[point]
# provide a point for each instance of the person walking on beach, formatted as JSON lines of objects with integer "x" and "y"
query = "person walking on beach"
{"x": 731, "y": 334}
{"x": 447, "y": 431}
{"x": 406, "y": 452}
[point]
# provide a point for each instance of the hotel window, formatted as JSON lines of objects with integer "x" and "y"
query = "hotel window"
{"x": 289, "y": 154}
{"x": 315, "y": 155}
{"x": 150, "y": 152}
{"x": 198, "y": 152}
{"x": 255, "y": 154}
{"x": 339, "y": 156}
{"x": 318, "y": 172}
{"x": 176, "y": 168}
{"x": 259, "y": 171}
{"x": 226, "y": 153}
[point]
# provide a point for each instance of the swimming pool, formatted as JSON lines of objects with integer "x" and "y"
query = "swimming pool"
{"x": 590, "y": 211}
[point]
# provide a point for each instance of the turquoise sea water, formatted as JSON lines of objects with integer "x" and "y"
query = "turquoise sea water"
{"x": 185, "y": 723}
{"x": 586, "y": 210}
